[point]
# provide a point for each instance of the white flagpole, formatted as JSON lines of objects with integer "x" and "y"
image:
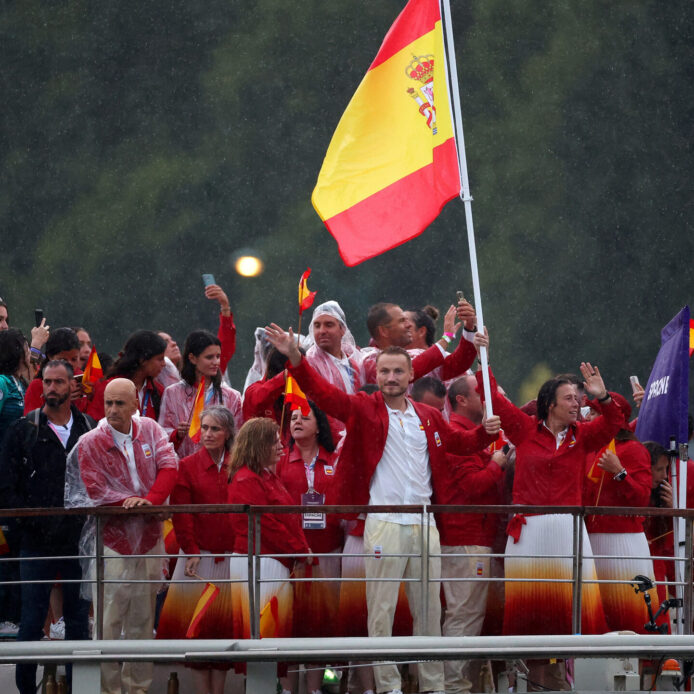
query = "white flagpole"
{"x": 453, "y": 91}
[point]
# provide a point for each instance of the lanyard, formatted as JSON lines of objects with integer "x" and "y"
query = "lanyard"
{"x": 145, "y": 402}
{"x": 310, "y": 472}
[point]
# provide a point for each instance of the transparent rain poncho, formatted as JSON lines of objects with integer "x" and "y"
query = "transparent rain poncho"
{"x": 97, "y": 473}
{"x": 345, "y": 373}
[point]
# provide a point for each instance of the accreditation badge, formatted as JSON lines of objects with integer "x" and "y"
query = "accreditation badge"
{"x": 312, "y": 520}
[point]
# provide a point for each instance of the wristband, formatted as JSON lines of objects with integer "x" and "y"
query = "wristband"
{"x": 620, "y": 475}
{"x": 450, "y": 336}
{"x": 606, "y": 397}
{"x": 37, "y": 352}
{"x": 446, "y": 338}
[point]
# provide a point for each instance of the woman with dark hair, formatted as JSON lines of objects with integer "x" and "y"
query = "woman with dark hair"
{"x": 256, "y": 451}
{"x": 14, "y": 370}
{"x": 308, "y": 470}
{"x": 140, "y": 361}
{"x": 202, "y": 479}
{"x": 551, "y": 449}
{"x": 659, "y": 528}
{"x": 201, "y": 360}
{"x": 424, "y": 321}
{"x": 64, "y": 344}
{"x": 619, "y": 475}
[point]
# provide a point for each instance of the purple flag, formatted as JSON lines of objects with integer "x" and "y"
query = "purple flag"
{"x": 664, "y": 410}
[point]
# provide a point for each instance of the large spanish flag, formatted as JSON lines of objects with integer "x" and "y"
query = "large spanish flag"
{"x": 392, "y": 163}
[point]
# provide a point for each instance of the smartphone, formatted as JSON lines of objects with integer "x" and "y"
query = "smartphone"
{"x": 38, "y": 316}
{"x": 460, "y": 295}
{"x": 78, "y": 378}
{"x": 634, "y": 380}
{"x": 208, "y": 279}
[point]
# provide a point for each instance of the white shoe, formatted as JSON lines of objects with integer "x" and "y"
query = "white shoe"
{"x": 57, "y": 630}
{"x": 9, "y": 629}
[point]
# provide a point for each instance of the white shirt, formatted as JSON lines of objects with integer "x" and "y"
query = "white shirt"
{"x": 403, "y": 475}
{"x": 345, "y": 370}
{"x": 125, "y": 445}
{"x": 559, "y": 438}
{"x": 62, "y": 431}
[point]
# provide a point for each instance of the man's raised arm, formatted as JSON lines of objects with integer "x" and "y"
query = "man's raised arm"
{"x": 329, "y": 398}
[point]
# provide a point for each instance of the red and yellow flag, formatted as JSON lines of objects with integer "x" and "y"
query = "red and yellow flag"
{"x": 206, "y": 599}
{"x": 595, "y": 472}
{"x": 305, "y": 296}
{"x": 198, "y": 407}
{"x": 4, "y": 546}
{"x": 92, "y": 372}
{"x": 691, "y": 337}
{"x": 295, "y": 396}
{"x": 392, "y": 163}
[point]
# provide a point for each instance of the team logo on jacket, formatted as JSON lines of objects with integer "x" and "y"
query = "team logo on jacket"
{"x": 329, "y": 470}
{"x": 437, "y": 438}
{"x": 146, "y": 450}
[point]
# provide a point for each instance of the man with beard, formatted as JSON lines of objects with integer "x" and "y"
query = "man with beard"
{"x": 394, "y": 453}
{"x": 32, "y": 475}
{"x": 389, "y": 326}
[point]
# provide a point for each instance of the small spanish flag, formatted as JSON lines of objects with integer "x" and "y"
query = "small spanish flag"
{"x": 4, "y": 547}
{"x": 305, "y": 296}
{"x": 206, "y": 599}
{"x": 691, "y": 337}
{"x": 198, "y": 407}
{"x": 595, "y": 472}
{"x": 270, "y": 619}
{"x": 171, "y": 545}
{"x": 92, "y": 372}
{"x": 295, "y": 396}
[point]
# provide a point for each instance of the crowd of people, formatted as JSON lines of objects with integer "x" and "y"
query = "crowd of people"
{"x": 401, "y": 421}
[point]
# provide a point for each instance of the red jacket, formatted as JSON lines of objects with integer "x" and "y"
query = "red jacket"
{"x": 259, "y": 399}
{"x": 95, "y": 409}
{"x": 199, "y": 482}
{"x": 455, "y": 364}
{"x": 280, "y": 533}
{"x": 546, "y": 475}
{"x": 226, "y": 334}
{"x": 478, "y": 481}
{"x": 633, "y": 490}
{"x": 366, "y": 417}
{"x": 292, "y": 472}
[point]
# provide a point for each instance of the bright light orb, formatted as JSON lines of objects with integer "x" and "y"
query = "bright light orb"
{"x": 248, "y": 266}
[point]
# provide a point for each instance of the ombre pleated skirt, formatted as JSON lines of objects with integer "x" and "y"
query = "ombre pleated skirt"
{"x": 276, "y": 598}
{"x": 624, "y": 609}
{"x": 353, "y": 613}
{"x": 181, "y": 599}
{"x": 316, "y": 602}
{"x": 545, "y": 608}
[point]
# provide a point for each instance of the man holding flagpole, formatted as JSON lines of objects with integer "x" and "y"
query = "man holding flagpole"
{"x": 393, "y": 453}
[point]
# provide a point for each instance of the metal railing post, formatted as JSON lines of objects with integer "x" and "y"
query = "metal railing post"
{"x": 99, "y": 607}
{"x": 255, "y": 631}
{"x": 257, "y": 524}
{"x": 425, "y": 568}
{"x": 577, "y": 573}
{"x": 687, "y": 611}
